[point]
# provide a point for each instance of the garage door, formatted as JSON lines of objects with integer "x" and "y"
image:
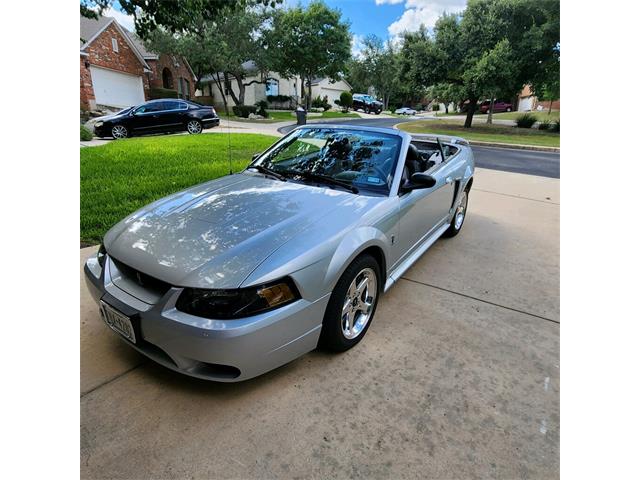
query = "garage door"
{"x": 525, "y": 104}
{"x": 115, "y": 88}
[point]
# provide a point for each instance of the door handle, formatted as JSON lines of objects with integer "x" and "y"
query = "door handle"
{"x": 449, "y": 180}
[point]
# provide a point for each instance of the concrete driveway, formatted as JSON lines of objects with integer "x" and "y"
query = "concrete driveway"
{"x": 458, "y": 376}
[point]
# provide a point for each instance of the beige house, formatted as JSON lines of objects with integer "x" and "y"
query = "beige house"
{"x": 324, "y": 86}
{"x": 258, "y": 87}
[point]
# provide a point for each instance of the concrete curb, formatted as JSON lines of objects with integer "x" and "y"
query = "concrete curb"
{"x": 511, "y": 146}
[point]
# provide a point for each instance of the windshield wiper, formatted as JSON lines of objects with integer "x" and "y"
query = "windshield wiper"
{"x": 323, "y": 178}
{"x": 268, "y": 171}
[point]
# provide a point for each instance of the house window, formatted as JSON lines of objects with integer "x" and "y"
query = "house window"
{"x": 114, "y": 44}
{"x": 272, "y": 87}
{"x": 187, "y": 89}
{"x": 227, "y": 87}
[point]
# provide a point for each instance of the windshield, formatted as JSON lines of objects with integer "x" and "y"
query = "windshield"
{"x": 363, "y": 159}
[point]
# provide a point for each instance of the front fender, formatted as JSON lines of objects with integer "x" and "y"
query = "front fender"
{"x": 350, "y": 247}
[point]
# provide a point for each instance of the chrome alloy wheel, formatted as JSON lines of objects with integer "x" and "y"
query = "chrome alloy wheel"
{"x": 194, "y": 126}
{"x": 461, "y": 210}
{"x": 118, "y": 131}
{"x": 358, "y": 303}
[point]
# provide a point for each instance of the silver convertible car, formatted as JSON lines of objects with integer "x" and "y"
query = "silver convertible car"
{"x": 234, "y": 277}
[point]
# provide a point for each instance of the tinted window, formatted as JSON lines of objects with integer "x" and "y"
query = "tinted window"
{"x": 174, "y": 105}
{"x": 359, "y": 157}
{"x": 149, "y": 107}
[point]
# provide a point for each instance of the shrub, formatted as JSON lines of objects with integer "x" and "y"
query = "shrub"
{"x": 555, "y": 127}
{"x": 262, "y": 105}
{"x": 546, "y": 125}
{"x": 162, "y": 93}
{"x": 278, "y": 98}
{"x": 346, "y": 100}
{"x": 434, "y": 107}
{"x": 525, "y": 121}
{"x": 322, "y": 103}
{"x": 243, "y": 111}
{"x": 85, "y": 134}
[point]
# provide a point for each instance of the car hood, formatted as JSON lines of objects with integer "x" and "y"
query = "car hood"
{"x": 215, "y": 234}
{"x": 112, "y": 116}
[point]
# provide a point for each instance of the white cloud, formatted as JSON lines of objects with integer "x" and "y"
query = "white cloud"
{"x": 357, "y": 44}
{"x": 422, "y": 12}
{"x": 390, "y": 2}
{"x": 122, "y": 18}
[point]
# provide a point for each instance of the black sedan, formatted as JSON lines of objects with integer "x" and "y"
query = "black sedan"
{"x": 157, "y": 116}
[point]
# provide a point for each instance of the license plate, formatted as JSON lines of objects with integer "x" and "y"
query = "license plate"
{"x": 117, "y": 321}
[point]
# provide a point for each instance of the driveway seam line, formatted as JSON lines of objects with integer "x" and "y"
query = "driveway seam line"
{"x": 557, "y": 322}
{"x": 516, "y": 196}
{"x": 111, "y": 380}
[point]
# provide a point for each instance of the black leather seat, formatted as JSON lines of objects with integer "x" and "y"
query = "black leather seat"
{"x": 414, "y": 163}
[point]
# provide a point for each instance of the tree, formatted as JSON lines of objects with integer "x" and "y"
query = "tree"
{"x": 221, "y": 49}
{"x": 463, "y": 46}
{"x": 445, "y": 93}
{"x": 175, "y": 16}
{"x": 492, "y": 75}
{"x": 345, "y": 101}
{"x": 311, "y": 42}
{"x": 376, "y": 68}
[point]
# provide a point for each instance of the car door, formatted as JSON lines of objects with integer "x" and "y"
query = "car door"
{"x": 173, "y": 116}
{"x": 423, "y": 211}
{"x": 146, "y": 117}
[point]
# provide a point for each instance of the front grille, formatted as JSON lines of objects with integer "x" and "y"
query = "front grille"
{"x": 158, "y": 287}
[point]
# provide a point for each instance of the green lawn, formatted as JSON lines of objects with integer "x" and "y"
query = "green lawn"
{"x": 118, "y": 178}
{"x": 485, "y": 133}
{"x": 540, "y": 116}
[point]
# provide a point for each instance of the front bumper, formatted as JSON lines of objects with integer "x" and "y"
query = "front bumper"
{"x": 221, "y": 350}
{"x": 102, "y": 131}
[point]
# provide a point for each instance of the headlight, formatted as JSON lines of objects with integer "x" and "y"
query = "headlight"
{"x": 98, "y": 123}
{"x": 102, "y": 255}
{"x": 237, "y": 303}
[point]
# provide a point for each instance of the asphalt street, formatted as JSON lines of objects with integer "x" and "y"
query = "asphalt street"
{"x": 528, "y": 162}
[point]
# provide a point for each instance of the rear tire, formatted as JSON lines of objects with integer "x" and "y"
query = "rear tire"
{"x": 458, "y": 217}
{"x": 194, "y": 127}
{"x": 352, "y": 305}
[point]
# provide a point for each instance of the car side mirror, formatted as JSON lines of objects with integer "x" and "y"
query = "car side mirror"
{"x": 422, "y": 180}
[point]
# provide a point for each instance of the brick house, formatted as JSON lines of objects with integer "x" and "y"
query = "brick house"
{"x": 527, "y": 101}
{"x": 117, "y": 71}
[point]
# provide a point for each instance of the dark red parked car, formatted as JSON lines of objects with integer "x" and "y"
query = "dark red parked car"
{"x": 498, "y": 106}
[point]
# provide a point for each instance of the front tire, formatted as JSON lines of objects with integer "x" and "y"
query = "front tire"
{"x": 459, "y": 215}
{"x": 119, "y": 132}
{"x": 194, "y": 127}
{"x": 508, "y": 109}
{"x": 352, "y": 305}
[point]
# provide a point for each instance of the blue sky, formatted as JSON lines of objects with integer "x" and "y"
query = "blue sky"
{"x": 385, "y": 18}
